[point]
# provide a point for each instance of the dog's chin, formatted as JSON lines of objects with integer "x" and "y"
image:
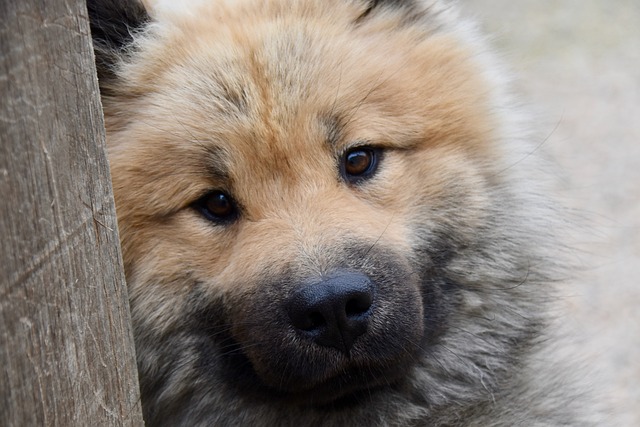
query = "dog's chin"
{"x": 347, "y": 388}
{"x": 336, "y": 395}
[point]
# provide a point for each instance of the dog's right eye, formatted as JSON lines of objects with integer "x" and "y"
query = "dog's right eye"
{"x": 217, "y": 206}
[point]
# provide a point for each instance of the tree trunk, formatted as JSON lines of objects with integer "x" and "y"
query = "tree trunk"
{"x": 66, "y": 348}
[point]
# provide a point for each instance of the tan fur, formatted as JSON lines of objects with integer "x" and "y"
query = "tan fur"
{"x": 261, "y": 99}
{"x": 277, "y": 149}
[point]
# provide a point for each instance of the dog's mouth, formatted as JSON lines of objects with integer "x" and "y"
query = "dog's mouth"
{"x": 346, "y": 389}
{"x": 347, "y": 383}
{"x": 333, "y": 343}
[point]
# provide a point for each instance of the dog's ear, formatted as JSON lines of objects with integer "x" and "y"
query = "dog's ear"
{"x": 113, "y": 26}
{"x": 407, "y": 7}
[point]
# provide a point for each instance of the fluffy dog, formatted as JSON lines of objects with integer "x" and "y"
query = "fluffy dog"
{"x": 331, "y": 214}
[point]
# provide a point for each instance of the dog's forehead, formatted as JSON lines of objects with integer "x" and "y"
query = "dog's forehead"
{"x": 258, "y": 101}
{"x": 288, "y": 84}
{"x": 273, "y": 95}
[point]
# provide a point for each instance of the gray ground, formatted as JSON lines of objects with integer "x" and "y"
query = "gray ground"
{"x": 579, "y": 65}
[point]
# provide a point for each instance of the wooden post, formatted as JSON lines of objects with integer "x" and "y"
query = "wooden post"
{"x": 66, "y": 348}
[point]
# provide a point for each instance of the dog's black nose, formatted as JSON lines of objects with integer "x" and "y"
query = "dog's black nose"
{"x": 333, "y": 311}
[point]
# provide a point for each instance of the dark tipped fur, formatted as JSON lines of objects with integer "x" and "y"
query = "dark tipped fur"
{"x": 113, "y": 25}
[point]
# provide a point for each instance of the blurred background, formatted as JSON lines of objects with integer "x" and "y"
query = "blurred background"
{"x": 578, "y": 64}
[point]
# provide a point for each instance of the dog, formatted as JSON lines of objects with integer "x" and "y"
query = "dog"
{"x": 332, "y": 213}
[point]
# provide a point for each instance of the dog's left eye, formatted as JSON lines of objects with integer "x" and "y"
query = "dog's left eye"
{"x": 217, "y": 206}
{"x": 360, "y": 163}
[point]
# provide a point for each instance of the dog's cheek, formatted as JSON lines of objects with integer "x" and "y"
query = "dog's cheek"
{"x": 168, "y": 261}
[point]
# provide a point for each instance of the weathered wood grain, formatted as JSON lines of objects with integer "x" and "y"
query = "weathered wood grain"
{"x": 66, "y": 349}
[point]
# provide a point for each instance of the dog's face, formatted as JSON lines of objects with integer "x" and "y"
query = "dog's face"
{"x": 305, "y": 193}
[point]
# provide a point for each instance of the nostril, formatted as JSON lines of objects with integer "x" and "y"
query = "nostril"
{"x": 305, "y": 319}
{"x": 313, "y": 321}
{"x": 358, "y": 305}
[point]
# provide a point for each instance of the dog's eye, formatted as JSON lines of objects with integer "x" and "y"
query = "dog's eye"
{"x": 360, "y": 163}
{"x": 217, "y": 206}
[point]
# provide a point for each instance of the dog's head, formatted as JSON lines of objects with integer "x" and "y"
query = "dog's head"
{"x": 312, "y": 206}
